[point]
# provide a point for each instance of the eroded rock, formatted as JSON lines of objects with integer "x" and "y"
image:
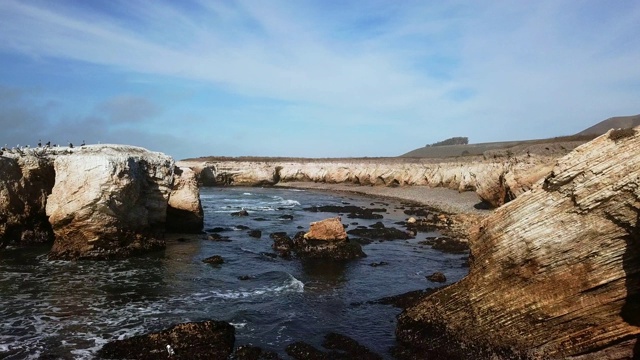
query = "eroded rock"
{"x": 109, "y": 201}
{"x": 184, "y": 211}
{"x": 326, "y": 230}
{"x": 554, "y": 273}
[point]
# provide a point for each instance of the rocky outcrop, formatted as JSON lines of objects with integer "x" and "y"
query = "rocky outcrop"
{"x": 497, "y": 180}
{"x": 109, "y": 202}
{"x": 184, "y": 211}
{"x": 25, "y": 183}
{"x": 326, "y": 230}
{"x": 554, "y": 273}
{"x": 197, "y": 340}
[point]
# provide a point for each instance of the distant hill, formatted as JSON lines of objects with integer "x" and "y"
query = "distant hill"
{"x": 564, "y": 142}
{"x": 624, "y": 122}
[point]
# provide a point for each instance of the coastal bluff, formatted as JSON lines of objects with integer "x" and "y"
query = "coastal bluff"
{"x": 554, "y": 274}
{"x": 97, "y": 201}
{"x": 496, "y": 178}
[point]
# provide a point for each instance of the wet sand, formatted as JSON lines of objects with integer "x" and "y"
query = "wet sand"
{"x": 446, "y": 200}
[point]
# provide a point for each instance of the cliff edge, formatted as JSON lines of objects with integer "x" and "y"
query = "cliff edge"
{"x": 554, "y": 273}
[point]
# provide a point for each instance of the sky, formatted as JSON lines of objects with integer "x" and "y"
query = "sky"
{"x": 304, "y": 78}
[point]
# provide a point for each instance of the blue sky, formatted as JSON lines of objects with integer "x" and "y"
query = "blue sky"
{"x": 312, "y": 78}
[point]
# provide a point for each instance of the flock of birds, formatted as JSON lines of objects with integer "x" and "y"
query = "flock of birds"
{"x": 41, "y": 149}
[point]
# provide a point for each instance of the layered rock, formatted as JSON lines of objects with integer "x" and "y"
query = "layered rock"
{"x": 554, "y": 273}
{"x": 496, "y": 179}
{"x": 184, "y": 211}
{"x": 326, "y": 239}
{"x": 25, "y": 183}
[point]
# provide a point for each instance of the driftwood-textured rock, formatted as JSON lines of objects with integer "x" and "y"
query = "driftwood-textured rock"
{"x": 184, "y": 213}
{"x": 555, "y": 273}
{"x": 25, "y": 183}
{"x": 109, "y": 201}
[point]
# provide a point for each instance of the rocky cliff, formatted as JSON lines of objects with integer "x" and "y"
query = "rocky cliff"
{"x": 496, "y": 180}
{"x": 25, "y": 183}
{"x": 99, "y": 201}
{"x": 554, "y": 274}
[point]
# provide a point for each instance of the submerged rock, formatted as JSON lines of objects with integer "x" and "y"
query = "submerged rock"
{"x": 343, "y": 347}
{"x": 196, "y": 340}
{"x": 437, "y": 277}
{"x": 214, "y": 260}
{"x": 381, "y": 233}
{"x": 554, "y": 273}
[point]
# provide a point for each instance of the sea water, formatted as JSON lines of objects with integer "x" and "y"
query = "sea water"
{"x": 69, "y": 309}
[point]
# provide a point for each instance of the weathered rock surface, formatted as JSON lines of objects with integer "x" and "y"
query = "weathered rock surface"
{"x": 109, "y": 201}
{"x": 327, "y": 230}
{"x": 197, "y": 340}
{"x": 25, "y": 183}
{"x": 184, "y": 213}
{"x": 496, "y": 179}
{"x": 554, "y": 273}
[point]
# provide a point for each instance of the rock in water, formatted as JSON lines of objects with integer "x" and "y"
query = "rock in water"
{"x": 109, "y": 201}
{"x": 327, "y": 230}
{"x": 555, "y": 273}
{"x": 184, "y": 213}
{"x": 197, "y": 340}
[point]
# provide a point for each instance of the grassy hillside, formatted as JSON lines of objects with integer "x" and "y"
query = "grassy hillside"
{"x": 624, "y": 122}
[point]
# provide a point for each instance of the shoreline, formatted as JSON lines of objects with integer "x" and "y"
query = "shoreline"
{"x": 442, "y": 199}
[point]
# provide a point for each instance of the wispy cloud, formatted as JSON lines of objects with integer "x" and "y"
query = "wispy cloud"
{"x": 417, "y": 70}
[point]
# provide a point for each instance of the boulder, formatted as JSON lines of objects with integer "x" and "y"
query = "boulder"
{"x": 307, "y": 248}
{"x": 109, "y": 201}
{"x": 184, "y": 211}
{"x": 196, "y": 340}
{"x": 327, "y": 230}
{"x": 25, "y": 182}
{"x": 554, "y": 273}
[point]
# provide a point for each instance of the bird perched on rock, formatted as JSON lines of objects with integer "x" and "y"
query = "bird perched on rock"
{"x": 70, "y": 145}
{"x": 83, "y": 143}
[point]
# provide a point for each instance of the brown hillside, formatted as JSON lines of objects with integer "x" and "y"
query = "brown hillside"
{"x": 624, "y": 122}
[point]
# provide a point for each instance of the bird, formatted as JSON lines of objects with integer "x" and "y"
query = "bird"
{"x": 83, "y": 143}
{"x": 39, "y": 143}
{"x": 70, "y": 145}
{"x": 170, "y": 350}
{"x": 48, "y": 143}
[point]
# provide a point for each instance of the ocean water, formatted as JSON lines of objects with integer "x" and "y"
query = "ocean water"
{"x": 68, "y": 310}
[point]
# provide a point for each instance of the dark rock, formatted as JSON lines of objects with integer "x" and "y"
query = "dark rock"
{"x": 362, "y": 241}
{"x": 437, "y": 277}
{"x": 260, "y": 219}
{"x": 246, "y": 352}
{"x": 384, "y": 234}
{"x": 255, "y": 234}
{"x": 286, "y": 217}
{"x": 447, "y": 244}
{"x": 244, "y": 277}
{"x": 269, "y": 255}
{"x": 197, "y": 340}
{"x": 343, "y": 348}
{"x": 282, "y": 244}
{"x": 381, "y": 263}
{"x": 214, "y": 260}
{"x": 353, "y": 349}
{"x": 242, "y": 212}
{"x": 354, "y": 223}
{"x": 354, "y": 212}
{"x": 217, "y": 229}
{"x": 378, "y": 225}
{"x": 242, "y": 227}
{"x": 218, "y": 237}
{"x": 181, "y": 239}
{"x": 320, "y": 249}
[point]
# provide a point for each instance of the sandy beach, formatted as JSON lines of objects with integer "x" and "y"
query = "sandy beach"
{"x": 446, "y": 200}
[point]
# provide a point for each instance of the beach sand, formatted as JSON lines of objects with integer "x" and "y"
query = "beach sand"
{"x": 446, "y": 200}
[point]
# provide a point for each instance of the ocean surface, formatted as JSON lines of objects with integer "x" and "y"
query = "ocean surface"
{"x": 68, "y": 310}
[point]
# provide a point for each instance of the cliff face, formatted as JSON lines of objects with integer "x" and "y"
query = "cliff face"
{"x": 25, "y": 183}
{"x": 495, "y": 180}
{"x": 555, "y": 273}
{"x": 98, "y": 201}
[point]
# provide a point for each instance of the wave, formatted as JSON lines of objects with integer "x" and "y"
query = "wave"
{"x": 287, "y": 285}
